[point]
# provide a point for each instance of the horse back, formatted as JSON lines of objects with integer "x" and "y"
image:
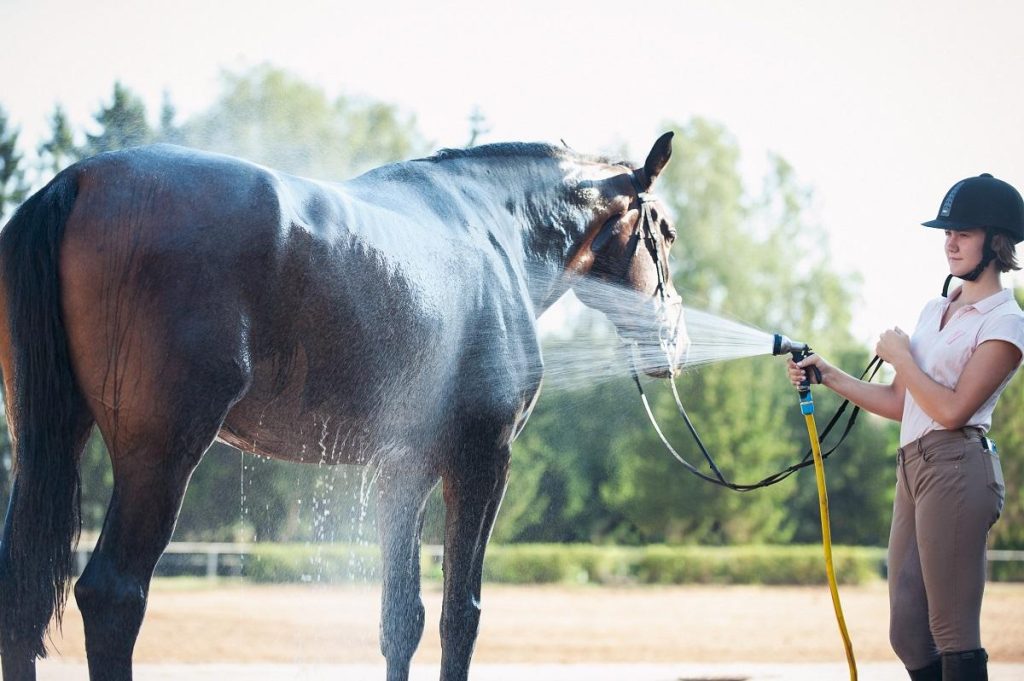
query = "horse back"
{"x": 334, "y": 318}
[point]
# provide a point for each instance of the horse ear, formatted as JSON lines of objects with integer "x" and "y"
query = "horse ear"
{"x": 658, "y": 158}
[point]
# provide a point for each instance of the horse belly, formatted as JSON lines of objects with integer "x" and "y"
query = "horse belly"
{"x": 346, "y": 411}
{"x": 310, "y": 438}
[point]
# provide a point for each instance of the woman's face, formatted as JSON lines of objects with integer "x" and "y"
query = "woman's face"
{"x": 963, "y": 249}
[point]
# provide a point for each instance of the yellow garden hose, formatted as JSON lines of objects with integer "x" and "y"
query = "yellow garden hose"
{"x": 807, "y": 408}
{"x": 799, "y": 351}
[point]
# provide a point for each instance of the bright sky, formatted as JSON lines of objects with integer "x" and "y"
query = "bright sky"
{"x": 880, "y": 105}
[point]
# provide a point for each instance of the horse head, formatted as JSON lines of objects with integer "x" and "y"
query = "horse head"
{"x": 626, "y": 250}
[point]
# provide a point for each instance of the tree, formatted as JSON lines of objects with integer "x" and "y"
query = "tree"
{"x": 272, "y": 117}
{"x": 605, "y": 475}
{"x": 122, "y": 123}
{"x": 560, "y": 463}
{"x": 477, "y": 126}
{"x": 6, "y": 452}
{"x": 168, "y": 131}
{"x": 13, "y": 187}
{"x": 59, "y": 150}
{"x": 1008, "y": 433}
{"x": 13, "y": 190}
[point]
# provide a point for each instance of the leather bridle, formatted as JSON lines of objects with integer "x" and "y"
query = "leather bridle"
{"x": 646, "y": 231}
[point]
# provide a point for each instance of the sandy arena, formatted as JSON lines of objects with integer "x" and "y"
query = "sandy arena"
{"x": 195, "y": 631}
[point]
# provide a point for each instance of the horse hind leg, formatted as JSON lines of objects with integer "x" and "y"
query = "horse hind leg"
{"x": 152, "y": 467}
{"x": 113, "y": 590}
{"x": 402, "y": 495}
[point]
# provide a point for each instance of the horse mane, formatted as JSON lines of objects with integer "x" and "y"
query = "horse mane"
{"x": 520, "y": 150}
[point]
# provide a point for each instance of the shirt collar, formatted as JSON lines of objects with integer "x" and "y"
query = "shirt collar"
{"x": 985, "y": 305}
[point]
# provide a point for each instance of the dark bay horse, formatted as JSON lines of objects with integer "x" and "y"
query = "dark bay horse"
{"x": 170, "y": 297}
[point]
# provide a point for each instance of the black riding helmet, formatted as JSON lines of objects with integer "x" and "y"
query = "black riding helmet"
{"x": 985, "y": 202}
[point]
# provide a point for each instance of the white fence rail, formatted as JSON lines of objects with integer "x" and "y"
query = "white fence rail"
{"x": 223, "y": 558}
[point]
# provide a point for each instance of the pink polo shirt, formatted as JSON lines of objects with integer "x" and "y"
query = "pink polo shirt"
{"x": 943, "y": 353}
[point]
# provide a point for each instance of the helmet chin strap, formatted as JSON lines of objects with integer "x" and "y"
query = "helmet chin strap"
{"x": 987, "y": 254}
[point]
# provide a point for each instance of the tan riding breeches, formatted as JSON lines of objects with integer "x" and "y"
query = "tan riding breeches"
{"x": 949, "y": 492}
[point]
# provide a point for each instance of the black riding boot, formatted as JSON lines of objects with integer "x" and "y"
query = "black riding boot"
{"x": 932, "y": 672}
{"x": 968, "y": 665}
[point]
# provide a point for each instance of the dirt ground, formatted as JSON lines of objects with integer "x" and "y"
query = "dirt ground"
{"x": 189, "y": 621}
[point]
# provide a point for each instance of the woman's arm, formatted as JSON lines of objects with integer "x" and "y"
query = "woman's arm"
{"x": 988, "y": 367}
{"x": 878, "y": 398}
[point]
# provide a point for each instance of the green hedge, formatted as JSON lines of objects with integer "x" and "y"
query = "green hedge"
{"x": 583, "y": 563}
{"x": 756, "y": 565}
{"x": 1008, "y": 571}
{"x": 678, "y": 564}
{"x": 311, "y": 563}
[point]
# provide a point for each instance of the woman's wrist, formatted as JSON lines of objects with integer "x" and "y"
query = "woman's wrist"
{"x": 901, "y": 363}
{"x": 827, "y": 376}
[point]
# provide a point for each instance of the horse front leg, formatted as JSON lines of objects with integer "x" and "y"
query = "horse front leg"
{"x": 402, "y": 495}
{"x": 472, "y": 496}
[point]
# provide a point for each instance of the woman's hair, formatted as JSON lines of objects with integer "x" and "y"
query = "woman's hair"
{"x": 1006, "y": 255}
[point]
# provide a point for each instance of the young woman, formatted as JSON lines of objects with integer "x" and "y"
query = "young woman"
{"x": 949, "y": 488}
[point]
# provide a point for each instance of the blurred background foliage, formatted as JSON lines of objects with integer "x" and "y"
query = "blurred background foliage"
{"x": 588, "y": 468}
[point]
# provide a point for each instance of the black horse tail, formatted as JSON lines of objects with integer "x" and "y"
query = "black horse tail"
{"x": 48, "y": 420}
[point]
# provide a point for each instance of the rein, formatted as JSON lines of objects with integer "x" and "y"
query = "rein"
{"x": 645, "y": 230}
{"x": 813, "y": 457}
{"x": 720, "y": 479}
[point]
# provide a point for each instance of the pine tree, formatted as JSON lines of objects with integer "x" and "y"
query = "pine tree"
{"x": 168, "y": 131}
{"x": 13, "y": 187}
{"x": 477, "y": 126}
{"x": 122, "y": 123}
{"x": 58, "y": 151}
{"x": 13, "y": 190}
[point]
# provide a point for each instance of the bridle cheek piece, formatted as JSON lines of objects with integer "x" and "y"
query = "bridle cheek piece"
{"x": 645, "y": 231}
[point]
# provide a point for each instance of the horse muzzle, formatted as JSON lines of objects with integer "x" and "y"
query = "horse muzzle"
{"x": 663, "y": 354}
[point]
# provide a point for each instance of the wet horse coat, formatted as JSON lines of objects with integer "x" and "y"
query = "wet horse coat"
{"x": 171, "y": 297}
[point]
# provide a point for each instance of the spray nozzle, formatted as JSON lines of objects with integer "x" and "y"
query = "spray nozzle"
{"x": 799, "y": 351}
{"x": 782, "y": 345}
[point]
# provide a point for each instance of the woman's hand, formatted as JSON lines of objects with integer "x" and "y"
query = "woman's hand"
{"x": 894, "y": 347}
{"x": 797, "y": 372}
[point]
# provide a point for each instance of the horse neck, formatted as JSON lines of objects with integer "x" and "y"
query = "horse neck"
{"x": 549, "y": 212}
